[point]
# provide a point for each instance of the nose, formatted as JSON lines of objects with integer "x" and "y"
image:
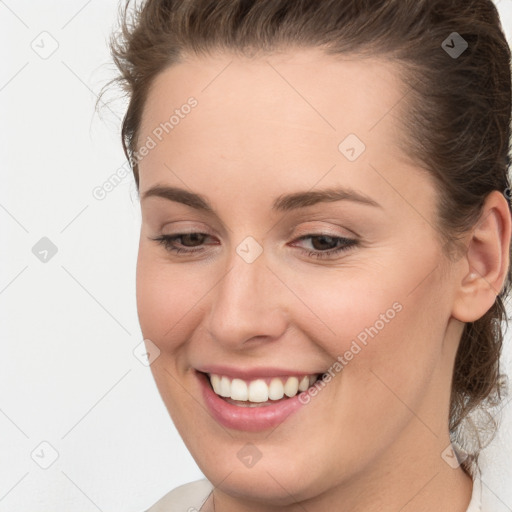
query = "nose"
{"x": 249, "y": 304}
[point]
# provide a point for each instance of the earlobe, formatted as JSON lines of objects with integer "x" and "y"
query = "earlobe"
{"x": 485, "y": 266}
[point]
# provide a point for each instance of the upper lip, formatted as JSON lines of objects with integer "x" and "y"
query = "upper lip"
{"x": 253, "y": 373}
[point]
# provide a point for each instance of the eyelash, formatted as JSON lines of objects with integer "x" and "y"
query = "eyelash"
{"x": 349, "y": 243}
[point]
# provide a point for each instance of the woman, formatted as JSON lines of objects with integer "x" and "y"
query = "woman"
{"x": 325, "y": 243}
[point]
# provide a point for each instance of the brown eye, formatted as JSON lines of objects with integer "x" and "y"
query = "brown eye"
{"x": 327, "y": 245}
{"x": 190, "y": 242}
{"x": 190, "y": 239}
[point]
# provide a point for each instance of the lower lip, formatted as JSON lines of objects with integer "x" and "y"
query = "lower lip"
{"x": 251, "y": 419}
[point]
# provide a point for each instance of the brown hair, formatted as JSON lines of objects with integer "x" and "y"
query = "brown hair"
{"x": 457, "y": 112}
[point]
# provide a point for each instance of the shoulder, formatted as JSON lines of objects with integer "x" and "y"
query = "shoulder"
{"x": 185, "y": 498}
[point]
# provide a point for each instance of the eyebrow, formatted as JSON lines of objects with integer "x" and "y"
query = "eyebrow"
{"x": 283, "y": 203}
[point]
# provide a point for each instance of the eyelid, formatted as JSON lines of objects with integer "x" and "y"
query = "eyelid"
{"x": 189, "y": 229}
{"x": 293, "y": 234}
{"x": 323, "y": 230}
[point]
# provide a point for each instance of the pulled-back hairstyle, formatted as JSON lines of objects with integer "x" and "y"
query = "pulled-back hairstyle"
{"x": 456, "y": 114}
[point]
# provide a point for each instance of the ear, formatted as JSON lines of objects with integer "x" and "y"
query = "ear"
{"x": 485, "y": 266}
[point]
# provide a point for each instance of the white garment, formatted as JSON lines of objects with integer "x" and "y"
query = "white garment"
{"x": 190, "y": 497}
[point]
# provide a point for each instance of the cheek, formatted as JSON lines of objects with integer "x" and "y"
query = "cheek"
{"x": 352, "y": 307}
{"x": 382, "y": 308}
{"x": 388, "y": 331}
{"x": 168, "y": 297}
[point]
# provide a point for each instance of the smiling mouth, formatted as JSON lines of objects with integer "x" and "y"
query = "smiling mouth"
{"x": 260, "y": 392}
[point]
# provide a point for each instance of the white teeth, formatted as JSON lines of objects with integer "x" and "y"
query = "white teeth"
{"x": 221, "y": 386}
{"x": 215, "y": 380}
{"x": 291, "y": 387}
{"x": 239, "y": 390}
{"x": 257, "y": 390}
{"x": 276, "y": 389}
{"x": 304, "y": 383}
{"x": 225, "y": 387}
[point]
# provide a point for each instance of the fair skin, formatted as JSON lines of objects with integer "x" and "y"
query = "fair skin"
{"x": 372, "y": 439}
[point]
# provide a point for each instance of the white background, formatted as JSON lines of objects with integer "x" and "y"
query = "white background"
{"x": 68, "y": 374}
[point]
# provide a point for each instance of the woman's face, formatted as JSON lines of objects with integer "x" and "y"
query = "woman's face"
{"x": 260, "y": 140}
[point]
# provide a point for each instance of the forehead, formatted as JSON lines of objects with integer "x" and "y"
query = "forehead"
{"x": 268, "y": 117}
{"x": 320, "y": 93}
